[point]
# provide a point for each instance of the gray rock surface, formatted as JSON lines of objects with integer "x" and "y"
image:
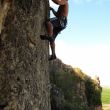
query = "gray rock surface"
{"x": 24, "y": 74}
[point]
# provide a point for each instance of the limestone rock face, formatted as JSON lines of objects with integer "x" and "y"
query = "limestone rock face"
{"x": 24, "y": 74}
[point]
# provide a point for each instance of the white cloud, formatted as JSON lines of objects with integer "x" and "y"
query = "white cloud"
{"x": 93, "y": 60}
{"x": 100, "y": 2}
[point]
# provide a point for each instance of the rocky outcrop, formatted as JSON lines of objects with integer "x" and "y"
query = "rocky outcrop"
{"x": 24, "y": 75}
{"x": 71, "y": 89}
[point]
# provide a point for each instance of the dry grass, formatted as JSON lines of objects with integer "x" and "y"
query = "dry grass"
{"x": 106, "y": 106}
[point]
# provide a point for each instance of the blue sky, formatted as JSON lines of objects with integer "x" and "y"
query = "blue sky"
{"x": 89, "y": 22}
{"x": 85, "y": 43}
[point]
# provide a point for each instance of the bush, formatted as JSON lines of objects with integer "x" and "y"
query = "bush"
{"x": 93, "y": 92}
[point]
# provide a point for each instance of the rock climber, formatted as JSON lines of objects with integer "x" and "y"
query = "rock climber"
{"x": 56, "y": 24}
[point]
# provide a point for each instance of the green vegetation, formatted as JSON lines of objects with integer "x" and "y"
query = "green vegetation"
{"x": 93, "y": 92}
{"x": 106, "y": 95}
{"x": 72, "y": 89}
{"x": 67, "y": 82}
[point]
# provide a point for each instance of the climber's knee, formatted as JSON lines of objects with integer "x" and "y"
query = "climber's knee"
{"x": 47, "y": 22}
{"x": 51, "y": 40}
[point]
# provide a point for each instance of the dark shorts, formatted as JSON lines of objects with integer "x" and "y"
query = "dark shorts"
{"x": 59, "y": 24}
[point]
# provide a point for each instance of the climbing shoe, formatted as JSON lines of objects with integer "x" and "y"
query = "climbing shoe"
{"x": 46, "y": 37}
{"x": 52, "y": 57}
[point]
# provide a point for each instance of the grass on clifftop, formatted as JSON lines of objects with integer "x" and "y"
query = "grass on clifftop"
{"x": 106, "y": 95}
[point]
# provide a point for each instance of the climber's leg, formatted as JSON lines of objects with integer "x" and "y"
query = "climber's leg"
{"x": 53, "y": 56}
{"x": 49, "y": 28}
{"x": 49, "y": 31}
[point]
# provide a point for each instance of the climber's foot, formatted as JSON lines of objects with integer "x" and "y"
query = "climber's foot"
{"x": 52, "y": 57}
{"x": 46, "y": 37}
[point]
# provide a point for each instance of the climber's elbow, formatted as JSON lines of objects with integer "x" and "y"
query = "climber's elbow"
{"x": 60, "y": 2}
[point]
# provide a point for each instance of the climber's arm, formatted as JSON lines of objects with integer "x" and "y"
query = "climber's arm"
{"x": 54, "y": 12}
{"x": 60, "y": 2}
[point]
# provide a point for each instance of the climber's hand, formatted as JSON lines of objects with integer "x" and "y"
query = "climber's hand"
{"x": 51, "y": 8}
